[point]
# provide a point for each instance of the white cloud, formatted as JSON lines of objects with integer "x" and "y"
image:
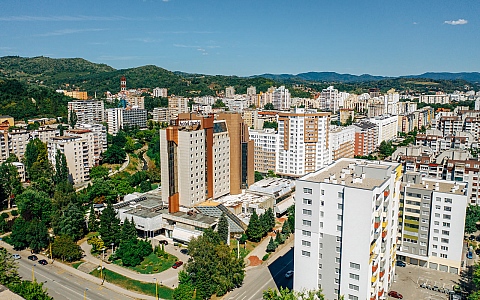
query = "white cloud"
{"x": 457, "y": 22}
{"x": 415, "y": 23}
{"x": 69, "y": 31}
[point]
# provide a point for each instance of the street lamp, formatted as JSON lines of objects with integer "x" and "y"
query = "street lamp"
{"x": 156, "y": 288}
{"x": 33, "y": 273}
{"x": 112, "y": 247}
{"x": 85, "y": 294}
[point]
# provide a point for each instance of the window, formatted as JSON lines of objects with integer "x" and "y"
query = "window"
{"x": 446, "y": 224}
{"x": 307, "y": 222}
{"x": 320, "y": 245}
{"x": 322, "y": 203}
{"x": 307, "y": 191}
{"x": 305, "y": 253}
{"x": 437, "y": 215}
{"x": 434, "y": 253}
{"x": 321, "y": 224}
{"x": 352, "y": 297}
{"x": 337, "y": 249}
{"x": 354, "y": 276}
{"x": 448, "y": 217}
{"x": 444, "y": 240}
{"x": 424, "y": 220}
{"x": 307, "y": 212}
{"x": 337, "y": 260}
{"x": 339, "y": 228}
{"x": 447, "y": 208}
{"x": 337, "y": 280}
{"x": 445, "y": 248}
{"x": 340, "y": 206}
{"x": 423, "y": 228}
{"x": 445, "y": 232}
{"x": 355, "y": 266}
{"x": 340, "y": 194}
{"x": 424, "y": 213}
{"x": 435, "y": 246}
{"x": 438, "y": 199}
{"x": 337, "y": 270}
{"x": 306, "y": 243}
{"x": 339, "y": 217}
{"x": 448, "y": 200}
{"x": 323, "y": 192}
{"x": 438, "y": 207}
{"x": 435, "y": 238}
{"x": 353, "y": 287}
{"x": 436, "y": 231}
{"x": 423, "y": 243}
{"x": 320, "y": 266}
{"x": 443, "y": 255}
{"x": 306, "y": 233}
{"x": 436, "y": 223}
{"x": 307, "y": 201}
{"x": 322, "y": 214}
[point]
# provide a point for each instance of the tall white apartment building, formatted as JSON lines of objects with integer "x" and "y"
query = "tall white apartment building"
{"x": 387, "y": 127}
{"x": 251, "y": 91}
{"x": 4, "y": 152}
{"x": 281, "y": 98}
{"x": 432, "y": 223}
{"x": 391, "y": 100}
{"x": 346, "y": 220}
{"x": 97, "y": 137}
{"x": 265, "y": 141}
{"x": 331, "y": 99}
{"x": 177, "y": 105}
{"x": 161, "y": 114}
{"x": 160, "y": 92}
{"x": 195, "y": 156}
{"x": 436, "y": 99}
{"x": 342, "y": 141}
{"x": 119, "y": 118}
{"x": 302, "y": 142}
{"x": 230, "y": 92}
{"x": 17, "y": 140}
{"x": 87, "y": 111}
{"x": 136, "y": 101}
{"x": 77, "y": 152}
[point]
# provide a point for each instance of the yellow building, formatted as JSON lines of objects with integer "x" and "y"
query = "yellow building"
{"x": 76, "y": 94}
{"x": 11, "y": 121}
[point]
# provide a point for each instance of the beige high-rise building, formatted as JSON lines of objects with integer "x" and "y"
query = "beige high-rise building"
{"x": 17, "y": 140}
{"x": 265, "y": 141}
{"x": 342, "y": 141}
{"x": 96, "y": 135}
{"x": 136, "y": 101}
{"x": 77, "y": 153}
{"x": 87, "y": 111}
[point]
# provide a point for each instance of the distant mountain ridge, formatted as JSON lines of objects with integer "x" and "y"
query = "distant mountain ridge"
{"x": 473, "y": 77}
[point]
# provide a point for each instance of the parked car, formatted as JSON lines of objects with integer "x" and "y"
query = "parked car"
{"x": 32, "y": 257}
{"x": 289, "y": 274}
{"x": 177, "y": 264}
{"x": 477, "y": 251}
{"x": 401, "y": 263}
{"x": 472, "y": 237}
{"x": 16, "y": 256}
{"x": 184, "y": 251}
{"x": 395, "y": 294}
{"x": 469, "y": 255}
{"x": 165, "y": 242}
{"x": 43, "y": 262}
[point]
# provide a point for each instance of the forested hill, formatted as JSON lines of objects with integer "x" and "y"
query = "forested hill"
{"x": 22, "y": 100}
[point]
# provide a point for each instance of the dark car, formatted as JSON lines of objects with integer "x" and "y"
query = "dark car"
{"x": 477, "y": 251}
{"x": 184, "y": 251}
{"x": 32, "y": 257}
{"x": 43, "y": 262}
{"x": 165, "y": 242}
{"x": 396, "y": 295}
{"x": 472, "y": 237}
{"x": 177, "y": 264}
{"x": 401, "y": 263}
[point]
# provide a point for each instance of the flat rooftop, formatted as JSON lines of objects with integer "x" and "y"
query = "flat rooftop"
{"x": 357, "y": 173}
{"x": 450, "y": 187}
{"x": 142, "y": 212}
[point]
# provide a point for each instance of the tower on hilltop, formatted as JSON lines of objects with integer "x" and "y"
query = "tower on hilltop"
{"x": 123, "y": 84}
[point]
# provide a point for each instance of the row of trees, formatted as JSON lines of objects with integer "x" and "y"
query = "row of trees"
{"x": 259, "y": 226}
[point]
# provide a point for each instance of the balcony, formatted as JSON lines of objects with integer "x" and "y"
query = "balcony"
{"x": 374, "y": 279}
{"x": 386, "y": 193}
{"x": 374, "y": 268}
{"x": 384, "y": 224}
{"x": 376, "y": 224}
{"x": 384, "y": 234}
{"x": 380, "y": 293}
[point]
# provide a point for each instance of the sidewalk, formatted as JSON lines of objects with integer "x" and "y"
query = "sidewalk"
{"x": 168, "y": 277}
{"x": 83, "y": 275}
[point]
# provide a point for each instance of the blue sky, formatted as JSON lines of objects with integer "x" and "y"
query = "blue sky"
{"x": 243, "y": 37}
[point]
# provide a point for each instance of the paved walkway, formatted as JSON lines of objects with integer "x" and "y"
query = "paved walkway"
{"x": 81, "y": 274}
{"x": 168, "y": 277}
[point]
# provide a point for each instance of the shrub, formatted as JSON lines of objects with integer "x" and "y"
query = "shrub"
{"x": 4, "y": 215}
{"x": 265, "y": 257}
{"x": 14, "y": 213}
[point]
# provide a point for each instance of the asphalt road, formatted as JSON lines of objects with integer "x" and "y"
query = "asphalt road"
{"x": 64, "y": 285}
{"x": 264, "y": 277}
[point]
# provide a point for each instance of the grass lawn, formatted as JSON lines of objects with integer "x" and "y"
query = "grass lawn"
{"x": 152, "y": 264}
{"x": 76, "y": 264}
{"x": 134, "y": 285}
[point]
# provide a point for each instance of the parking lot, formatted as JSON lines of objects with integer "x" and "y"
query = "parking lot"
{"x": 409, "y": 279}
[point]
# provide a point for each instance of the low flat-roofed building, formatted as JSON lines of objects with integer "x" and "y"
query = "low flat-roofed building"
{"x": 216, "y": 209}
{"x": 272, "y": 186}
{"x": 183, "y": 226}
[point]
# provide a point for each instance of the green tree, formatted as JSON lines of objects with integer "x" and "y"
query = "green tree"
{"x": 114, "y": 155}
{"x": 71, "y": 222}
{"x": 65, "y": 248}
{"x": 63, "y": 195}
{"x": 92, "y": 220}
{"x": 291, "y": 218}
{"x": 265, "y": 223}
{"x": 268, "y": 124}
{"x": 128, "y": 231}
{"x": 254, "y": 229}
{"x": 279, "y": 238}
{"x": 286, "y": 294}
{"x": 10, "y": 184}
{"x": 218, "y": 104}
{"x": 109, "y": 226}
{"x": 99, "y": 172}
{"x": 129, "y": 145}
{"x": 12, "y": 158}
{"x": 223, "y": 229}
{"x": 18, "y": 236}
{"x": 133, "y": 252}
{"x": 8, "y": 268}
{"x": 286, "y": 228}
{"x": 271, "y": 245}
{"x": 268, "y": 106}
{"x": 61, "y": 168}
{"x": 145, "y": 186}
{"x": 36, "y": 160}
{"x": 120, "y": 139}
{"x": 37, "y": 235}
{"x": 258, "y": 176}
{"x": 471, "y": 218}
{"x": 34, "y": 205}
{"x": 271, "y": 174}
{"x": 213, "y": 267}
{"x": 270, "y": 218}
{"x": 72, "y": 121}
{"x": 185, "y": 289}
{"x": 31, "y": 290}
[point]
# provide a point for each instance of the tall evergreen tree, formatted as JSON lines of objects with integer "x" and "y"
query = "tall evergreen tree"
{"x": 223, "y": 229}
{"x": 271, "y": 245}
{"x": 286, "y": 228}
{"x": 72, "y": 121}
{"x": 279, "y": 238}
{"x": 61, "y": 168}
{"x": 71, "y": 222}
{"x": 109, "y": 226}
{"x": 254, "y": 229}
{"x": 92, "y": 220}
{"x": 270, "y": 218}
{"x": 10, "y": 184}
{"x": 128, "y": 231}
{"x": 265, "y": 223}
